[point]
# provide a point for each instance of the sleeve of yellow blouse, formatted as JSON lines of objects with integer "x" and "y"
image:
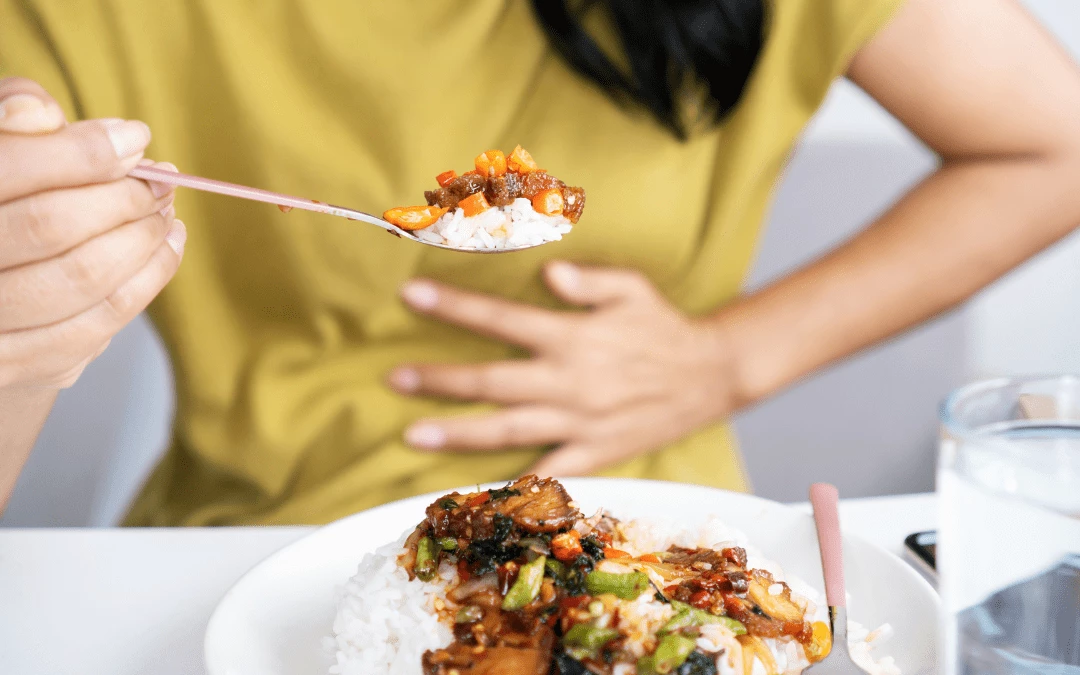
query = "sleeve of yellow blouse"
{"x": 819, "y": 38}
{"x": 26, "y": 50}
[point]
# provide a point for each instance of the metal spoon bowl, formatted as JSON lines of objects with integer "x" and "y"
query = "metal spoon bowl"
{"x": 287, "y": 203}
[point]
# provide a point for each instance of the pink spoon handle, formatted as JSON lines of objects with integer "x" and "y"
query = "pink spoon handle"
{"x": 825, "y": 499}
{"x": 156, "y": 175}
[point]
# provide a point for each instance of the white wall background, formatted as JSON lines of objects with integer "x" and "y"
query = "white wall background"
{"x": 868, "y": 425}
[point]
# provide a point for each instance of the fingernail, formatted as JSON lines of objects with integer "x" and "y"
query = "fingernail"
{"x": 168, "y": 213}
{"x": 405, "y": 379}
{"x": 20, "y": 104}
{"x": 128, "y": 138}
{"x": 160, "y": 189}
{"x": 425, "y": 435}
{"x": 420, "y": 294}
{"x": 564, "y": 274}
{"x": 177, "y": 237}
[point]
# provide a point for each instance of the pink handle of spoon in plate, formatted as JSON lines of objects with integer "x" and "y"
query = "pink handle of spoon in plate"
{"x": 825, "y": 499}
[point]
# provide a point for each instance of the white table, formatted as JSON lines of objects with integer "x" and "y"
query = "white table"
{"x": 127, "y": 602}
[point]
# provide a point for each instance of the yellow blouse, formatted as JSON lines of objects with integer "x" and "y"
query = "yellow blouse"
{"x": 282, "y": 328}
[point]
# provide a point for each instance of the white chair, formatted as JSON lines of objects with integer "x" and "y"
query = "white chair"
{"x": 102, "y": 439}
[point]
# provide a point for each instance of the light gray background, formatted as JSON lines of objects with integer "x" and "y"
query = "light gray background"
{"x": 867, "y": 425}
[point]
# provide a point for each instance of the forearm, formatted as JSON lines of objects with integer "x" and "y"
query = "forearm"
{"x": 962, "y": 228}
{"x": 22, "y": 414}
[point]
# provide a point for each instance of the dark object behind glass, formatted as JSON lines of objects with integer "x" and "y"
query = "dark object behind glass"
{"x": 922, "y": 550}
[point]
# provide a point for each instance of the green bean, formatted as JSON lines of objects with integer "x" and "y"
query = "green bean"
{"x": 555, "y": 569}
{"x": 588, "y": 637}
{"x": 671, "y": 653}
{"x": 527, "y": 586}
{"x": 448, "y": 544}
{"x": 427, "y": 560}
{"x": 687, "y": 617}
{"x": 626, "y": 586}
{"x": 469, "y": 614}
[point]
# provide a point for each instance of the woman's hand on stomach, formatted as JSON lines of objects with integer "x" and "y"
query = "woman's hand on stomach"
{"x": 626, "y": 377}
{"x": 83, "y": 249}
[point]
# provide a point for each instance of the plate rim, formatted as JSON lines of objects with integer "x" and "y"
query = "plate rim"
{"x": 846, "y": 535}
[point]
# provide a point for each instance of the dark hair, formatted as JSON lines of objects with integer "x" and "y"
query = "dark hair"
{"x": 669, "y": 46}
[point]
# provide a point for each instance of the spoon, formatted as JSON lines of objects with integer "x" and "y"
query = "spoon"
{"x": 287, "y": 203}
{"x": 825, "y": 499}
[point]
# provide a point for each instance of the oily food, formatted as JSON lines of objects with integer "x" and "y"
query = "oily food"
{"x": 517, "y": 581}
{"x": 504, "y": 202}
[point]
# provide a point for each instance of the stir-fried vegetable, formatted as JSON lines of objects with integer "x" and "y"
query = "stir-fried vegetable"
{"x": 566, "y": 546}
{"x": 688, "y": 617}
{"x": 549, "y": 202}
{"x": 413, "y": 217}
{"x": 821, "y": 644}
{"x": 426, "y": 559}
{"x": 671, "y": 653}
{"x": 626, "y": 586}
{"x": 540, "y": 588}
{"x": 527, "y": 586}
{"x": 448, "y": 544}
{"x": 754, "y": 648}
{"x": 698, "y": 664}
{"x": 520, "y": 161}
{"x": 491, "y": 163}
{"x": 469, "y": 614}
{"x": 779, "y": 606}
{"x": 472, "y": 205}
{"x": 584, "y": 639}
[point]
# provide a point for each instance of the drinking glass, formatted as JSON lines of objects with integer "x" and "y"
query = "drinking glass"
{"x": 1009, "y": 531}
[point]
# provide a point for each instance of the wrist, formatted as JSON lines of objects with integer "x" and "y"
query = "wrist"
{"x": 748, "y": 373}
{"x": 22, "y": 414}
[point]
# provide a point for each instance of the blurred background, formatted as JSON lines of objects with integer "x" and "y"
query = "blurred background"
{"x": 868, "y": 425}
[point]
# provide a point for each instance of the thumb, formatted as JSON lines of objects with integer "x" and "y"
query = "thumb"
{"x": 26, "y": 108}
{"x": 596, "y": 286}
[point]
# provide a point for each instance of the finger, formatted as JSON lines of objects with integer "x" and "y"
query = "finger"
{"x": 26, "y": 108}
{"x": 496, "y": 382}
{"x": 572, "y": 459}
{"x": 68, "y": 380}
{"x": 46, "y": 292}
{"x": 82, "y": 153}
{"x": 592, "y": 287}
{"x": 47, "y": 224}
{"x": 501, "y": 319}
{"x": 511, "y": 428}
{"x": 48, "y": 354}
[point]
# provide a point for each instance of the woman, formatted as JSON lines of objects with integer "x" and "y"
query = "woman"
{"x": 620, "y": 351}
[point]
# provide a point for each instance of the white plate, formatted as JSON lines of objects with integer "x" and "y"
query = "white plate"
{"x": 273, "y": 620}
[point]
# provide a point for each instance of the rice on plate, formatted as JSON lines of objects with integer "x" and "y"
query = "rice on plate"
{"x": 516, "y": 581}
